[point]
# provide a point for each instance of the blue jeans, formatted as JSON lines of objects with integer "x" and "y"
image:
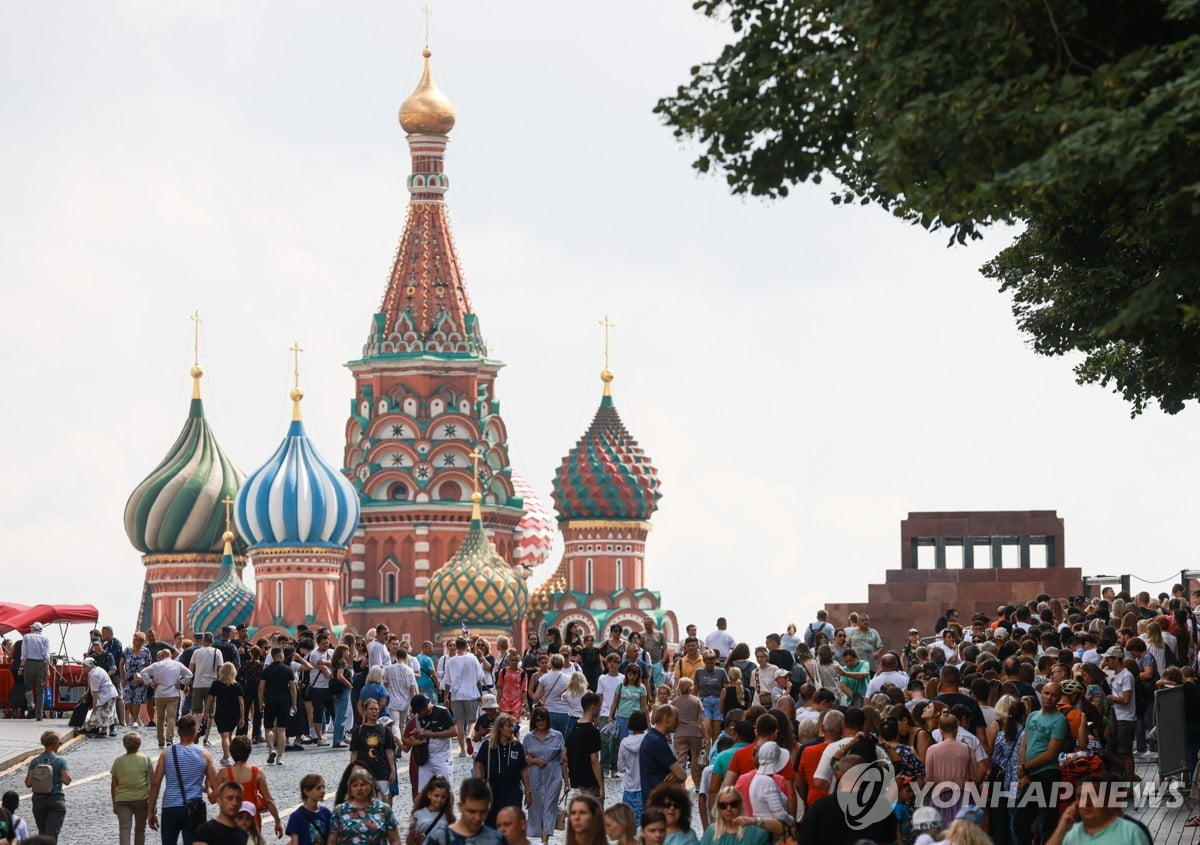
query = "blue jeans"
{"x": 622, "y": 728}
{"x": 171, "y": 824}
{"x": 561, "y": 722}
{"x": 341, "y": 703}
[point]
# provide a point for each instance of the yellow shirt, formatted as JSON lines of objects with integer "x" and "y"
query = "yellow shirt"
{"x": 686, "y": 667}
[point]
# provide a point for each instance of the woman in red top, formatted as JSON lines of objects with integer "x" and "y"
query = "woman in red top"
{"x": 510, "y": 683}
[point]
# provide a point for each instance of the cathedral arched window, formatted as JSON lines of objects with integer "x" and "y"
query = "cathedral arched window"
{"x": 308, "y": 598}
{"x": 620, "y": 573}
{"x": 587, "y": 575}
{"x": 178, "y": 614}
{"x": 279, "y": 599}
{"x": 389, "y": 588}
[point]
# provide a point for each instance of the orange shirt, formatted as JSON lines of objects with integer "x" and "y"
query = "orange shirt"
{"x": 809, "y": 758}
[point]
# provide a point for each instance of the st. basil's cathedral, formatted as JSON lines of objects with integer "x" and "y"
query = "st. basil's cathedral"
{"x": 426, "y": 527}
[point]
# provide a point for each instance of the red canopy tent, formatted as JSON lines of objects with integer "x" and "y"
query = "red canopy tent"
{"x": 10, "y": 608}
{"x": 47, "y": 614}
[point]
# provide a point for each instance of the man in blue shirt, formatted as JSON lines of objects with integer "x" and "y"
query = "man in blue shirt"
{"x": 656, "y": 760}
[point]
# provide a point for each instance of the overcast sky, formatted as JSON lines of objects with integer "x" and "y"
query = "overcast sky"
{"x": 802, "y": 375}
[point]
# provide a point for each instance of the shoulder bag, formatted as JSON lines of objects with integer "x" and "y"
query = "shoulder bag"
{"x": 195, "y": 812}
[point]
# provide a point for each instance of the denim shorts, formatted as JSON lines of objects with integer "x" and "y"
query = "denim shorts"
{"x": 712, "y": 707}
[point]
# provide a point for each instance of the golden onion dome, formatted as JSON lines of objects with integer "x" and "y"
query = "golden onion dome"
{"x": 427, "y": 111}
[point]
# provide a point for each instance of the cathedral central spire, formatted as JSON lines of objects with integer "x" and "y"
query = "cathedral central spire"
{"x": 426, "y": 309}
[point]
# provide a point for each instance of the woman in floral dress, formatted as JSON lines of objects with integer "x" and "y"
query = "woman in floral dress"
{"x": 511, "y": 683}
{"x": 134, "y": 692}
{"x": 363, "y": 819}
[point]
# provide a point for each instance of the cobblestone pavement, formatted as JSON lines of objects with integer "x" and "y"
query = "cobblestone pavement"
{"x": 90, "y": 820}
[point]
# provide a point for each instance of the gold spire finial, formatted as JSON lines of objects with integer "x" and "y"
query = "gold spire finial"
{"x": 428, "y": 13}
{"x": 606, "y": 375}
{"x": 297, "y": 394}
{"x": 228, "y": 535}
{"x": 427, "y": 111}
{"x": 197, "y": 372}
{"x": 476, "y": 496}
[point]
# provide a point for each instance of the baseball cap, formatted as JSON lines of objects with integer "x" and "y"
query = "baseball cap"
{"x": 36, "y": 626}
{"x": 419, "y": 703}
{"x": 971, "y": 813}
{"x": 248, "y": 807}
{"x": 926, "y": 818}
{"x": 782, "y": 673}
{"x": 1000, "y": 633}
{"x": 87, "y": 661}
{"x": 1115, "y": 651}
{"x": 913, "y": 631}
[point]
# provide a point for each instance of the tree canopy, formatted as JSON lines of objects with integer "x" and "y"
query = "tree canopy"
{"x": 1077, "y": 120}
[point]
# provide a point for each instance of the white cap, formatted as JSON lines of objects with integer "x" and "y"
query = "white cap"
{"x": 487, "y": 702}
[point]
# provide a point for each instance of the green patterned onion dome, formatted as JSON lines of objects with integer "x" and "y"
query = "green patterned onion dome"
{"x": 476, "y": 587}
{"x": 226, "y": 601}
{"x": 606, "y": 475}
{"x": 178, "y": 509}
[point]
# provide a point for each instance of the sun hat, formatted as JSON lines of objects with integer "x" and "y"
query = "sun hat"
{"x": 248, "y": 808}
{"x": 926, "y": 818}
{"x": 772, "y": 759}
{"x": 488, "y": 701}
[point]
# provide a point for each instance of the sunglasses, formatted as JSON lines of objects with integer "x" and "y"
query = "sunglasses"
{"x": 669, "y": 805}
{"x": 728, "y": 805}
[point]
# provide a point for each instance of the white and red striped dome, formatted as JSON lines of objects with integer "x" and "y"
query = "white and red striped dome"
{"x": 538, "y": 528}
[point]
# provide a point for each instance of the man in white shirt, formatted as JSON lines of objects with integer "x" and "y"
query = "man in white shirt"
{"x": 35, "y": 657}
{"x": 889, "y": 673}
{"x": 720, "y": 640}
{"x": 461, "y": 682}
{"x": 1124, "y": 707}
{"x": 205, "y": 664}
{"x": 167, "y": 675}
{"x": 401, "y": 686}
{"x": 852, "y": 722}
{"x": 377, "y": 653}
{"x": 318, "y": 688}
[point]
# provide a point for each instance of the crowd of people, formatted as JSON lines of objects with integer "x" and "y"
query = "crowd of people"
{"x": 750, "y": 745}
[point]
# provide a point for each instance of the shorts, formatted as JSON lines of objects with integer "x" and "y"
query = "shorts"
{"x": 1122, "y": 739}
{"x": 275, "y": 715}
{"x": 464, "y": 711}
{"x": 711, "y": 707}
{"x": 198, "y": 696}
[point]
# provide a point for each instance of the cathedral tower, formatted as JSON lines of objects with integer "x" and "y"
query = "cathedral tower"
{"x": 175, "y": 518}
{"x": 425, "y": 400}
{"x": 297, "y": 514}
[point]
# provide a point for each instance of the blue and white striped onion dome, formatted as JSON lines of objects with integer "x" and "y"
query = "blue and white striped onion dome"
{"x": 296, "y": 499}
{"x": 226, "y": 601}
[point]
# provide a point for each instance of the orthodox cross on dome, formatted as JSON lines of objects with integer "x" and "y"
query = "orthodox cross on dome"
{"x": 196, "y": 338}
{"x": 476, "y": 497}
{"x": 606, "y": 375}
{"x": 228, "y": 503}
{"x": 428, "y": 13}
{"x": 197, "y": 372}
{"x": 297, "y": 394}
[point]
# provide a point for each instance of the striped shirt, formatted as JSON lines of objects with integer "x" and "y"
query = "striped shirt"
{"x": 192, "y": 769}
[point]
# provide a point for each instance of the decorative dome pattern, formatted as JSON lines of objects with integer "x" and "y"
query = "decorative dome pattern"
{"x": 226, "y": 601}
{"x": 296, "y": 499}
{"x": 552, "y": 586}
{"x": 476, "y": 587}
{"x": 606, "y": 475}
{"x": 177, "y": 508}
{"x": 537, "y": 527}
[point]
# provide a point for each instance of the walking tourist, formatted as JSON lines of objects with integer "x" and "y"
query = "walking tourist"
{"x": 362, "y": 819}
{"x": 129, "y": 782}
{"x": 35, "y": 657}
{"x": 46, "y": 775}
{"x": 309, "y": 824}
{"x": 167, "y": 677}
{"x": 184, "y": 773}
{"x": 500, "y": 762}
{"x": 545, "y": 753}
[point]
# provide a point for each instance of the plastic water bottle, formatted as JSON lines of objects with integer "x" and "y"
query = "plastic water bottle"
{"x": 48, "y": 698}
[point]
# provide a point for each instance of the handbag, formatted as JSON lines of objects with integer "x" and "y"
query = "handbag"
{"x": 195, "y": 810}
{"x": 560, "y": 820}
